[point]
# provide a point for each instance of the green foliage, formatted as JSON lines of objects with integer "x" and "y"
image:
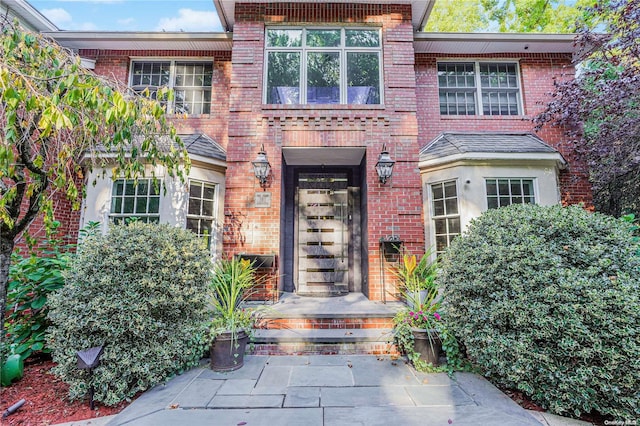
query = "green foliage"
{"x": 404, "y": 323}
{"x": 543, "y": 16}
{"x": 54, "y": 114}
{"x": 31, "y": 280}
{"x": 140, "y": 291}
{"x": 414, "y": 275}
{"x": 546, "y": 300}
{"x": 232, "y": 282}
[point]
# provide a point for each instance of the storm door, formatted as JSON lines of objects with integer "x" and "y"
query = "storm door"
{"x": 323, "y": 234}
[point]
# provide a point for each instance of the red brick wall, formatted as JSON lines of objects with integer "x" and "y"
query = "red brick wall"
{"x": 115, "y": 64}
{"x": 538, "y": 72}
{"x": 252, "y": 124}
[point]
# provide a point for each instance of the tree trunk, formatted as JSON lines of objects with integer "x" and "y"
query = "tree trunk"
{"x": 6, "y": 248}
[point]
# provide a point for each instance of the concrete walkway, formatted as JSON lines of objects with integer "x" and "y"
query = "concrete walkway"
{"x": 323, "y": 390}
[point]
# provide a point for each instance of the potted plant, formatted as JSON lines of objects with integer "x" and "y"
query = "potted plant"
{"x": 233, "y": 281}
{"x": 416, "y": 278}
{"x": 416, "y": 330}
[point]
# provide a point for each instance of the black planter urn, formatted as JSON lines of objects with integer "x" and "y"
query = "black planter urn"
{"x": 227, "y": 351}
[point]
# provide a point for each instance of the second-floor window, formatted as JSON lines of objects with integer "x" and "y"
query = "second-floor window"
{"x": 323, "y": 66}
{"x": 479, "y": 88}
{"x": 190, "y": 81}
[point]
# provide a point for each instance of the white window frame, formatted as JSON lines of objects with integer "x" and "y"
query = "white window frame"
{"x": 478, "y": 87}
{"x": 200, "y": 217}
{"x": 172, "y": 77}
{"x": 446, "y": 216}
{"x": 115, "y": 216}
{"x": 534, "y": 187}
{"x": 342, "y": 50}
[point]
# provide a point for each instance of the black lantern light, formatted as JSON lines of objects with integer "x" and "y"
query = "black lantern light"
{"x": 261, "y": 166}
{"x": 384, "y": 166}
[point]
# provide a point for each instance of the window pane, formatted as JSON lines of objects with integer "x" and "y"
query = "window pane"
{"x": 362, "y": 38}
{"x": 450, "y": 189}
{"x": 209, "y": 192}
{"x": 515, "y": 187}
{"x": 193, "y": 225}
{"x": 527, "y": 186}
{"x": 154, "y": 204}
{"x": 438, "y": 208}
{"x": 437, "y": 191}
{"x": 283, "y": 78}
{"x": 195, "y": 189}
{"x": 143, "y": 187}
{"x": 441, "y": 243}
{"x": 150, "y": 73}
{"x": 323, "y": 38}
{"x": 504, "y": 201}
{"x": 141, "y": 205}
{"x": 323, "y": 77}
{"x": 441, "y": 226}
{"x": 116, "y": 205}
{"x": 118, "y": 187}
{"x": 451, "y": 205}
{"x": 129, "y": 188}
{"x": 128, "y": 205}
{"x": 492, "y": 188}
{"x": 207, "y": 208}
{"x": 194, "y": 206}
{"x": 492, "y": 202}
{"x": 503, "y": 187}
{"x": 454, "y": 225}
{"x": 363, "y": 78}
{"x": 284, "y": 38}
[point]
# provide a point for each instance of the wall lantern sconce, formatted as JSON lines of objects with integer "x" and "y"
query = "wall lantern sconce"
{"x": 261, "y": 166}
{"x": 384, "y": 166}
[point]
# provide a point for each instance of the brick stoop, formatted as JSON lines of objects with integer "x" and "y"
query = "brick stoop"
{"x": 346, "y": 325}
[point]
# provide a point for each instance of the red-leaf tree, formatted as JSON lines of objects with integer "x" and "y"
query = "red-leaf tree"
{"x": 53, "y": 113}
{"x": 602, "y": 105}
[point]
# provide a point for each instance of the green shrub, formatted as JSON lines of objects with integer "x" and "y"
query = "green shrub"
{"x": 141, "y": 292}
{"x": 31, "y": 280}
{"x": 546, "y": 300}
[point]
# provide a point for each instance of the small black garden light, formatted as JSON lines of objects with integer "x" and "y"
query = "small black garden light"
{"x": 89, "y": 359}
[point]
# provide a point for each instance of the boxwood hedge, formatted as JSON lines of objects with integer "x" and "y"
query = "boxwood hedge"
{"x": 547, "y": 300}
{"x": 140, "y": 291}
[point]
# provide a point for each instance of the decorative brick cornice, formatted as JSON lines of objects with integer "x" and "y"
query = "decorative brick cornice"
{"x": 321, "y": 12}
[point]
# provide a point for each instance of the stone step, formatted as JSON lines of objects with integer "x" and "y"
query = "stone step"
{"x": 344, "y": 335}
{"x": 327, "y": 323}
{"x": 345, "y": 341}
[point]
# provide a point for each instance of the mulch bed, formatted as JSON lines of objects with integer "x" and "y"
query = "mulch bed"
{"x": 528, "y": 404}
{"x": 46, "y": 399}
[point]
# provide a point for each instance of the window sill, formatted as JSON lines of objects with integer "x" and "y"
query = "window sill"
{"x": 313, "y": 107}
{"x": 487, "y": 117}
{"x": 188, "y": 116}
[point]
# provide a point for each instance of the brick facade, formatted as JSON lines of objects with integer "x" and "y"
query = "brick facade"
{"x": 407, "y": 120}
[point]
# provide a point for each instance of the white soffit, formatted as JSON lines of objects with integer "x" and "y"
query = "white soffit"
{"x": 491, "y": 43}
{"x": 27, "y": 15}
{"x": 323, "y": 156}
{"x": 420, "y": 9}
{"x": 116, "y": 40}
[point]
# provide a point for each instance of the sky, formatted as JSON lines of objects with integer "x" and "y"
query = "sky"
{"x": 130, "y": 15}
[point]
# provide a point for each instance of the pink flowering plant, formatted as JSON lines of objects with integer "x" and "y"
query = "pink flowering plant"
{"x": 424, "y": 318}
